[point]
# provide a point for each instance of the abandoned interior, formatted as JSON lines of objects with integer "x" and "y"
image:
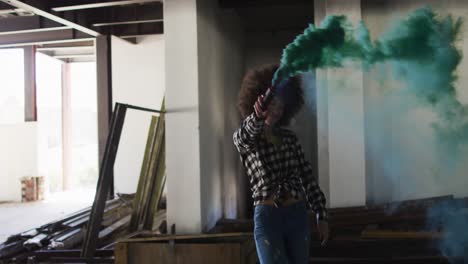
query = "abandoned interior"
{"x": 117, "y": 120}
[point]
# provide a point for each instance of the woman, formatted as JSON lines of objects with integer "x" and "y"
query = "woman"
{"x": 281, "y": 179}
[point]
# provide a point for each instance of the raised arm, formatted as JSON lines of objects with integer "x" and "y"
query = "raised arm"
{"x": 252, "y": 126}
{"x": 245, "y": 136}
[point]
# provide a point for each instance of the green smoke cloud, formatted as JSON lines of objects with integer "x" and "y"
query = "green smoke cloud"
{"x": 421, "y": 38}
{"x": 421, "y": 49}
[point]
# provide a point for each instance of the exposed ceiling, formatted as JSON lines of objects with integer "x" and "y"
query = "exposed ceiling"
{"x": 66, "y": 29}
{"x": 272, "y": 15}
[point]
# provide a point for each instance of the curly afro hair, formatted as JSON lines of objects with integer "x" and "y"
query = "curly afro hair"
{"x": 256, "y": 81}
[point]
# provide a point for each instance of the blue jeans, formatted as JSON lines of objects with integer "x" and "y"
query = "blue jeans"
{"x": 282, "y": 235}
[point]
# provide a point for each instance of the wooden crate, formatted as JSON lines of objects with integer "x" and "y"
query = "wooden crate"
{"x": 234, "y": 248}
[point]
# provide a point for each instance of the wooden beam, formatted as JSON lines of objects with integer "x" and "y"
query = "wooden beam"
{"x": 102, "y": 4}
{"x": 30, "y": 102}
{"x": 104, "y": 182}
{"x": 37, "y": 7}
{"x": 389, "y": 234}
{"x": 139, "y": 201}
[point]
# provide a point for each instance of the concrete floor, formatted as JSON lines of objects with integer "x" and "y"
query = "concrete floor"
{"x": 19, "y": 217}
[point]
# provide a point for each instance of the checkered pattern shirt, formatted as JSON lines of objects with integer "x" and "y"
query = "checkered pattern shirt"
{"x": 275, "y": 171}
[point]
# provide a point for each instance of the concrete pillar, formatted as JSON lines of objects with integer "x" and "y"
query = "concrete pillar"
{"x": 66, "y": 127}
{"x": 182, "y": 121}
{"x": 322, "y": 113}
{"x": 341, "y": 121}
{"x": 30, "y": 98}
{"x": 203, "y": 72}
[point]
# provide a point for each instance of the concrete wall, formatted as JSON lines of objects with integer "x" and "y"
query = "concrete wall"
{"x": 18, "y": 157}
{"x": 402, "y": 155}
{"x": 341, "y": 121}
{"x": 220, "y": 65}
{"x": 138, "y": 79}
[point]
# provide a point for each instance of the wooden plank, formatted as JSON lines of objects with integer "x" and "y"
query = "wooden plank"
{"x": 146, "y": 253}
{"x": 158, "y": 170}
{"x": 249, "y": 252}
{"x": 104, "y": 181}
{"x": 188, "y": 237}
{"x": 121, "y": 252}
{"x": 149, "y": 185}
{"x": 152, "y": 176}
{"x": 399, "y": 260}
{"x": 144, "y": 174}
{"x": 159, "y": 218}
{"x": 386, "y": 234}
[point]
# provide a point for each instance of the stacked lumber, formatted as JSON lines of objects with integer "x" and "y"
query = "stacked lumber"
{"x": 67, "y": 233}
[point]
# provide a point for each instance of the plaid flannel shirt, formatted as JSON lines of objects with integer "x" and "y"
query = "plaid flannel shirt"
{"x": 276, "y": 170}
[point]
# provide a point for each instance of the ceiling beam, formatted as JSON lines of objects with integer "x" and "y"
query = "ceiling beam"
{"x": 260, "y": 3}
{"x": 20, "y": 23}
{"x": 36, "y": 30}
{"x": 38, "y": 8}
{"x": 10, "y": 11}
{"x": 134, "y": 29}
{"x": 68, "y": 53}
{"x": 65, "y": 49}
{"x": 118, "y": 13}
{"x": 73, "y": 44}
{"x": 74, "y": 56}
{"x": 102, "y": 4}
{"x": 38, "y": 36}
{"x": 35, "y": 42}
{"x": 128, "y": 22}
